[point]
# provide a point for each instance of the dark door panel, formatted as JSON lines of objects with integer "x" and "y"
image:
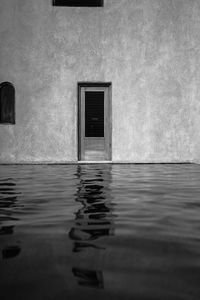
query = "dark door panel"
{"x": 94, "y": 124}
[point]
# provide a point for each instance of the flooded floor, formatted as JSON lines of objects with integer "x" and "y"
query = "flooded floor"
{"x": 100, "y": 232}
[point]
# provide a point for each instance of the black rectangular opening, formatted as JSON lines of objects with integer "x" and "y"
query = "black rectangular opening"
{"x": 7, "y": 103}
{"x": 94, "y": 114}
{"x": 78, "y": 3}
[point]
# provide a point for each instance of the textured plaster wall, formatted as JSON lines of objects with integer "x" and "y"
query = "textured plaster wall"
{"x": 148, "y": 49}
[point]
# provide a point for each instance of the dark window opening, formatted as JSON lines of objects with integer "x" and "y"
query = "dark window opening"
{"x": 94, "y": 114}
{"x": 7, "y": 103}
{"x": 78, "y": 3}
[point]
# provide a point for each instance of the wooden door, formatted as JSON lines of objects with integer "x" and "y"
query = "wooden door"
{"x": 94, "y": 124}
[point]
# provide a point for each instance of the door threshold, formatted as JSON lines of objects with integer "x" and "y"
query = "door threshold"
{"x": 95, "y": 162}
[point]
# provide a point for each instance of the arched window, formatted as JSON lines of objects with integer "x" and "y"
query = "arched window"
{"x": 7, "y": 103}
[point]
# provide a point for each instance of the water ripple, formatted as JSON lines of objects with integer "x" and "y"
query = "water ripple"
{"x": 103, "y": 231}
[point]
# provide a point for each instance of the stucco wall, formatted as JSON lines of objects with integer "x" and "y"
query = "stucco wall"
{"x": 148, "y": 49}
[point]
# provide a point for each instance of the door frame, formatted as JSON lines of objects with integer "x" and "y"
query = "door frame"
{"x": 95, "y": 85}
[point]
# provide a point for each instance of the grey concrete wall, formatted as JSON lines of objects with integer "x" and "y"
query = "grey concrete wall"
{"x": 148, "y": 49}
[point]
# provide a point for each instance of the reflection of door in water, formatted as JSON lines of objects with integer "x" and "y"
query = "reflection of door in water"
{"x": 94, "y": 123}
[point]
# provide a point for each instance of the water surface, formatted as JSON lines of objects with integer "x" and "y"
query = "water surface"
{"x": 103, "y": 231}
